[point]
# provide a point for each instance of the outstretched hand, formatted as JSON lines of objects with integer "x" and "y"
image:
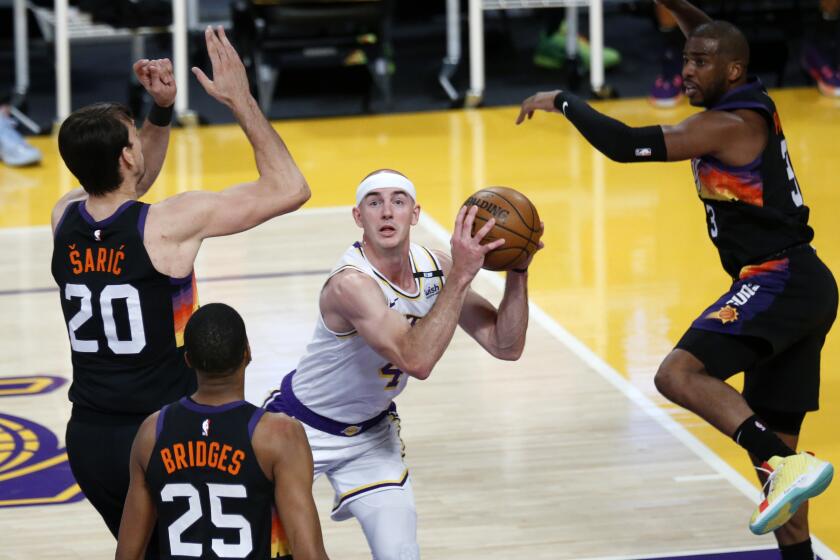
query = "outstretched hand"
{"x": 543, "y": 101}
{"x": 230, "y": 82}
{"x": 467, "y": 251}
{"x": 157, "y": 78}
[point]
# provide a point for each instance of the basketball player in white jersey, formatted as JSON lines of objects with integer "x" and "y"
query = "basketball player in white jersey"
{"x": 387, "y": 312}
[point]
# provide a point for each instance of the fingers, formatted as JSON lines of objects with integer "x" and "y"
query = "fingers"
{"x": 154, "y": 73}
{"x": 167, "y": 74}
{"x": 227, "y": 44}
{"x": 212, "y": 46}
{"x": 459, "y": 223}
{"x": 495, "y": 244}
{"x": 469, "y": 219}
{"x": 205, "y": 82}
{"x": 485, "y": 229}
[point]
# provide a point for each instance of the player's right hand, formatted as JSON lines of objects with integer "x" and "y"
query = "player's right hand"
{"x": 158, "y": 79}
{"x": 230, "y": 82}
{"x": 542, "y": 100}
{"x": 467, "y": 251}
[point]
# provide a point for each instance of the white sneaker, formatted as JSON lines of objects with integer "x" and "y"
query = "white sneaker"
{"x": 14, "y": 150}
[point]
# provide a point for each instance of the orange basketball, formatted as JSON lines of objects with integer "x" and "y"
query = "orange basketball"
{"x": 517, "y": 221}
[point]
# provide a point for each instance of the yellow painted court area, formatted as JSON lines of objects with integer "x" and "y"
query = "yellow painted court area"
{"x": 627, "y": 264}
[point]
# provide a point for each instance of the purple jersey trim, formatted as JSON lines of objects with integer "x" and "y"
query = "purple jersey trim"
{"x": 178, "y": 281}
{"x": 64, "y": 215}
{"x": 752, "y": 82}
{"x": 190, "y": 404}
{"x": 754, "y": 164}
{"x": 255, "y": 418}
{"x": 141, "y": 220}
{"x": 89, "y": 219}
{"x": 287, "y": 403}
{"x": 159, "y": 424}
{"x": 395, "y": 484}
{"x": 741, "y": 105}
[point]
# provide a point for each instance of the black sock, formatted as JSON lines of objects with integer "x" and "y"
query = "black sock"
{"x": 759, "y": 440}
{"x": 798, "y": 551}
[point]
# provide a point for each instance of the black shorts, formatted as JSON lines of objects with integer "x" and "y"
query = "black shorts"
{"x": 99, "y": 451}
{"x": 771, "y": 324}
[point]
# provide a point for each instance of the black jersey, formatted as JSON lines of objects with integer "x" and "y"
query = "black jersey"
{"x": 755, "y": 211}
{"x": 124, "y": 318}
{"x": 213, "y": 499}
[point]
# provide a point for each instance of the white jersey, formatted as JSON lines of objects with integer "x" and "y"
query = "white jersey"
{"x": 340, "y": 376}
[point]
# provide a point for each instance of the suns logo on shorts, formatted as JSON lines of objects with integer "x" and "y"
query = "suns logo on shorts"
{"x": 726, "y": 314}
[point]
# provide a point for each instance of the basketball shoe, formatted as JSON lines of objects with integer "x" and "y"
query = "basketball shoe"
{"x": 792, "y": 480}
{"x": 14, "y": 150}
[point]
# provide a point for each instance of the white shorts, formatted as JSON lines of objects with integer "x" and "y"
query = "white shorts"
{"x": 360, "y": 465}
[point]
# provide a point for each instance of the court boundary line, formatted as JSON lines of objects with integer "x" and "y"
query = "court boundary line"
{"x": 686, "y": 554}
{"x": 600, "y": 366}
{"x": 611, "y": 375}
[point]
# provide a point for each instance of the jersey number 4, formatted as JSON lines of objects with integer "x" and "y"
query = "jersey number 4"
{"x": 221, "y": 520}
{"x": 129, "y": 293}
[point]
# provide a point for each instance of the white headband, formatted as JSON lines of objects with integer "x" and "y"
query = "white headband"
{"x": 385, "y": 180}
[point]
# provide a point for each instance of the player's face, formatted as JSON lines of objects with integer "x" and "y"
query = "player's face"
{"x": 704, "y": 72}
{"x": 386, "y": 216}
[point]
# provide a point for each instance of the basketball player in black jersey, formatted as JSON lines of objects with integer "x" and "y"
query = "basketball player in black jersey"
{"x": 773, "y": 321}
{"x": 208, "y": 467}
{"x": 125, "y": 269}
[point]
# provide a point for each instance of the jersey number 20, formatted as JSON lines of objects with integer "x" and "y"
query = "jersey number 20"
{"x": 135, "y": 318}
{"x": 221, "y": 520}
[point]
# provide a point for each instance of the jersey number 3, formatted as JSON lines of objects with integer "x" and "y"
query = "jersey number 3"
{"x": 795, "y": 194}
{"x": 129, "y": 293}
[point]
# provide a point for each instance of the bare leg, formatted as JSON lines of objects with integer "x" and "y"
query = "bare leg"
{"x": 683, "y": 379}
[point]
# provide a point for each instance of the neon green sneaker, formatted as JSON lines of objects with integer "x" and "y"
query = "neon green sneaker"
{"x": 551, "y": 51}
{"x": 612, "y": 57}
{"x": 791, "y": 482}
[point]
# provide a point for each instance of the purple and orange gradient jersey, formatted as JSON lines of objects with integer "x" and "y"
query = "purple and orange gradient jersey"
{"x": 125, "y": 320}
{"x": 754, "y": 211}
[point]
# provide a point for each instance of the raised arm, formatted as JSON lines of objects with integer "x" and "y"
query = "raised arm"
{"x": 139, "y": 513}
{"x": 157, "y": 78}
{"x": 499, "y": 331}
{"x": 283, "y": 452}
{"x": 688, "y": 15}
{"x": 353, "y": 299}
{"x": 723, "y": 134}
{"x": 280, "y": 187}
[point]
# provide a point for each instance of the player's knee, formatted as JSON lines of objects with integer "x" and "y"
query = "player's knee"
{"x": 673, "y": 376}
{"x": 666, "y": 381}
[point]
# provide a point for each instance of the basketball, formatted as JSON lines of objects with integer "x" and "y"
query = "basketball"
{"x": 517, "y": 222}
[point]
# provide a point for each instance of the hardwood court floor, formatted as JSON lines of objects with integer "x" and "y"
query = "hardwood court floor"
{"x": 542, "y": 456}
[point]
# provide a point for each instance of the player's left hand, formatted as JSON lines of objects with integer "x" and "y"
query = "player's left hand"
{"x": 543, "y": 101}
{"x": 158, "y": 79}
